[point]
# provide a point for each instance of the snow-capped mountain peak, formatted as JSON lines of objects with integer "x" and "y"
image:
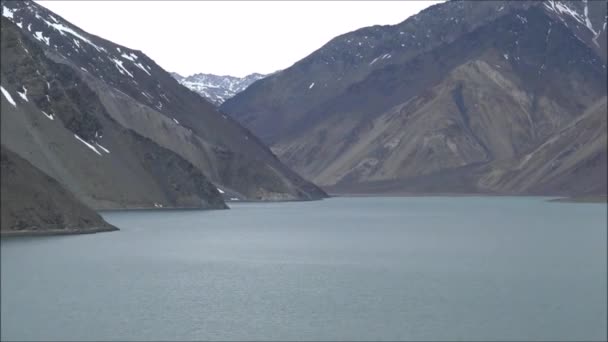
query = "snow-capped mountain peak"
{"x": 215, "y": 88}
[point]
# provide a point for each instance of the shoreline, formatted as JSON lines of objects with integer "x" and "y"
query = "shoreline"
{"x": 55, "y": 232}
{"x": 596, "y": 199}
{"x": 601, "y": 199}
{"x": 433, "y": 194}
{"x": 209, "y": 209}
{"x": 551, "y": 198}
{"x": 158, "y": 209}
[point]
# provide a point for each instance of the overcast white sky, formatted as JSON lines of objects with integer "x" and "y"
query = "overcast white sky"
{"x": 229, "y": 37}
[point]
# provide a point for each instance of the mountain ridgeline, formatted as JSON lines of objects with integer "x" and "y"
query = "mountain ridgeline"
{"x": 501, "y": 97}
{"x": 115, "y": 130}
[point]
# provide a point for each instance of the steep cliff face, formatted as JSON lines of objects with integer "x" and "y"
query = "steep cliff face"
{"x": 429, "y": 104}
{"x": 34, "y": 203}
{"x": 107, "y": 97}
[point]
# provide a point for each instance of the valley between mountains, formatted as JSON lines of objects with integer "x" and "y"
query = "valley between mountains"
{"x": 489, "y": 97}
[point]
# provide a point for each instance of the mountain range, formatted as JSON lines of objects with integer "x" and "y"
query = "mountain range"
{"x": 110, "y": 129}
{"x": 492, "y": 97}
{"x": 503, "y": 97}
{"x": 217, "y": 89}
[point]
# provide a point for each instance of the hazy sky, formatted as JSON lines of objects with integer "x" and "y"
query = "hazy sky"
{"x": 229, "y": 37}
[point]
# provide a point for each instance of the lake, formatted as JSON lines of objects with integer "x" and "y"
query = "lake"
{"x": 410, "y": 268}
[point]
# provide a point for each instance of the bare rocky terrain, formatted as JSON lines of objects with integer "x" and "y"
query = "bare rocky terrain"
{"x": 500, "y": 97}
{"x": 118, "y": 130}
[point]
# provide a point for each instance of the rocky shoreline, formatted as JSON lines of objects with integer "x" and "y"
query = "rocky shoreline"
{"x": 51, "y": 232}
{"x": 582, "y": 199}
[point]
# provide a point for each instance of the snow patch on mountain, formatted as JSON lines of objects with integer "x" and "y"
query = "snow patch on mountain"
{"x": 8, "y": 96}
{"x": 116, "y": 65}
{"x": 38, "y": 35}
{"x": 63, "y": 29}
{"x": 121, "y": 68}
{"x": 102, "y": 148}
{"x": 49, "y": 116}
{"x": 23, "y": 94}
{"x": 87, "y": 144}
{"x": 563, "y": 9}
{"x": 7, "y": 12}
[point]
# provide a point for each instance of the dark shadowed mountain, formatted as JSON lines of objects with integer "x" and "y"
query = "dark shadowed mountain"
{"x": 451, "y": 100}
{"x": 217, "y": 89}
{"x": 32, "y": 202}
{"x": 117, "y": 130}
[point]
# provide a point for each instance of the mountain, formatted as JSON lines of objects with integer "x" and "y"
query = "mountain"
{"x": 117, "y": 130}
{"x": 217, "y": 89}
{"x": 52, "y": 118}
{"x": 32, "y": 202}
{"x": 441, "y": 101}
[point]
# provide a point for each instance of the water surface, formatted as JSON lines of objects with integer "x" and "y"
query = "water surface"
{"x": 421, "y": 268}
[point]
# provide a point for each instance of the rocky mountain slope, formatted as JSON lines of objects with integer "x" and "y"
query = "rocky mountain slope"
{"x": 572, "y": 161}
{"x": 217, "y": 89}
{"x": 442, "y": 101}
{"x": 53, "y": 119}
{"x": 32, "y": 202}
{"x": 117, "y": 130}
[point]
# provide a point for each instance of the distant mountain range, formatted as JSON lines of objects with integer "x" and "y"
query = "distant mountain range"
{"x": 217, "y": 89}
{"x": 102, "y": 126}
{"x": 504, "y": 97}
